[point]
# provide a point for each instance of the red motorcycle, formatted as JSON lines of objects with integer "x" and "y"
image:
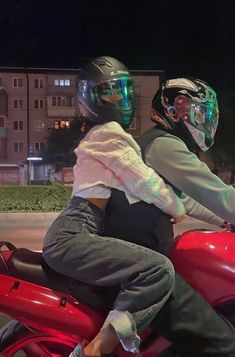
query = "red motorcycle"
{"x": 53, "y": 313}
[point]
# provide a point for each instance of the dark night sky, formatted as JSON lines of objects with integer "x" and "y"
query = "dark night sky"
{"x": 182, "y": 37}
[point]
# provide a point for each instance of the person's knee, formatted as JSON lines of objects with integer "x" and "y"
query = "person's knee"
{"x": 164, "y": 273}
{"x": 167, "y": 269}
{"x": 170, "y": 271}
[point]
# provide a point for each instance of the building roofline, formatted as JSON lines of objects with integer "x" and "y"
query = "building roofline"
{"x": 135, "y": 72}
{"x": 39, "y": 70}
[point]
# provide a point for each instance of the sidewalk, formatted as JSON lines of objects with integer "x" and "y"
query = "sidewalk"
{"x": 22, "y": 217}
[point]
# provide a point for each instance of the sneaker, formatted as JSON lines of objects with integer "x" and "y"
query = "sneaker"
{"x": 77, "y": 352}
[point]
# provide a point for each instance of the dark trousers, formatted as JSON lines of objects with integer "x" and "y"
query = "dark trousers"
{"x": 195, "y": 329}
{"x": 187, "y": 319}
{"x": 74, "y": 247}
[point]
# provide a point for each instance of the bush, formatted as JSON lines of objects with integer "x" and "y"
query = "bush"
{"x": 34, "y": 198}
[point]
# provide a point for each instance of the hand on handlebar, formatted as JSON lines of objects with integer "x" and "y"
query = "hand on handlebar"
{"x": 228, "y": 226}
{"x": 177, "y": 219}
{"x": 232, "y": 227}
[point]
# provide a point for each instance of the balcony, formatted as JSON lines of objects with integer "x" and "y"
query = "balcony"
{"x": 61, "y": 112}
{"x": 57, "y": 90}
{"x": 60, "y": 106}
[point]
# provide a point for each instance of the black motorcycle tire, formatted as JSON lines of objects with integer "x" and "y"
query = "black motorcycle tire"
{"x": 14, "y": 333}
{"x": 227, "y": 310}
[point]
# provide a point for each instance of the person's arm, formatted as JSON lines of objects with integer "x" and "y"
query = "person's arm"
{"x": 119, "y": 153}
{"x": 170, "y": 157}
{"x": 196, "y": 210}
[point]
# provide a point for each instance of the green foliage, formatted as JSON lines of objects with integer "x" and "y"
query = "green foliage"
{"x": 34, "y": 198}
{"x": 223, "y": 151}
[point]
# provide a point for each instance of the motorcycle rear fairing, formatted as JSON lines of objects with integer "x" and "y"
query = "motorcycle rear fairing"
{"x": 37, "y": 296}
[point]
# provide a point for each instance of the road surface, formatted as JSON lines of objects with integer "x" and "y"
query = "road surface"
{"x": 29, "y": 232}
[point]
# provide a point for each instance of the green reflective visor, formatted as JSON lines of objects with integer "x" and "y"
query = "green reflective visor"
{"x": 117, "y": 93}
{"x": 201, "y": 115}
{"x": 204, "y": 116}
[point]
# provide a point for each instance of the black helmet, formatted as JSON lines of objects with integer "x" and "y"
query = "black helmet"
{"x": 105, "y": 92}
{"x": 189, "y": 104}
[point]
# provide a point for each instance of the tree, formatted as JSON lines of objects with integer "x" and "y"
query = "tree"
{"x": 223, "y": 151}
{"x": 61, "y": 143}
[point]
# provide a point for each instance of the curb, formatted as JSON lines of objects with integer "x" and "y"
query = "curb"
{"x": 22, "y": 216}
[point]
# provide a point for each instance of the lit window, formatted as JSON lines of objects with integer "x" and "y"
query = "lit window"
{"x": 56, "y": 124}
{"x": 62, "y": 82}
{"x": 61, "y": 124}
{"x": 64, "y": 124}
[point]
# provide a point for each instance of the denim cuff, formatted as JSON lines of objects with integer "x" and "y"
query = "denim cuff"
{"x": 124, "y": 325}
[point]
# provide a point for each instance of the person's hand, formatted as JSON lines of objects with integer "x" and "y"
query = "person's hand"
{"x": 228, "y": 226}
{"x": 232, "y": 227}
{"x": 177, "y": 219}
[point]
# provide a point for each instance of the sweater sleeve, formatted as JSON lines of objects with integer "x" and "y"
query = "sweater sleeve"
{"x": 196, "y": 210}
{"x": 189, "y": 174}
{"x": 125, "y": 162}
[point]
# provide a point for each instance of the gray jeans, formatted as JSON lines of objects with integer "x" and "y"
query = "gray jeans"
{"x": 74, "y": 247}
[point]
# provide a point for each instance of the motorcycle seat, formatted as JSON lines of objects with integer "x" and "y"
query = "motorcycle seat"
{"x": 30, "y": 266}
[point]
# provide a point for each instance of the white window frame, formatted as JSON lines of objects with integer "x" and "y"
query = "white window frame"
{"x": 40, "y": 83}
{"x": 62, "y": 101}
{"x": 39, "y": 146}
{"x": 17, "y": 82}
{"x": 17, "y": 104}
{"x": 39, "y": 105}
{"x": 19, "y": 147}
{"x": 19, "y": 124}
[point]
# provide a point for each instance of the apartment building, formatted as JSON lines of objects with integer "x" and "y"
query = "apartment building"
{"x": 34, "y": 100}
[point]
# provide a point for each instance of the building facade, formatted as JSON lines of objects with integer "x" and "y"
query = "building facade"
{"x": 33, "y": 101}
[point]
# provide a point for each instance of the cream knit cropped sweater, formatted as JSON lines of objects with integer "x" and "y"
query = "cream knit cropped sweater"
{"x": 109, "y": 156}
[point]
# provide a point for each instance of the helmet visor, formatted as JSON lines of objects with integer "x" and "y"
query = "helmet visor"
{"x": 202, "y": 116}
{"x": 116, "y": 94}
